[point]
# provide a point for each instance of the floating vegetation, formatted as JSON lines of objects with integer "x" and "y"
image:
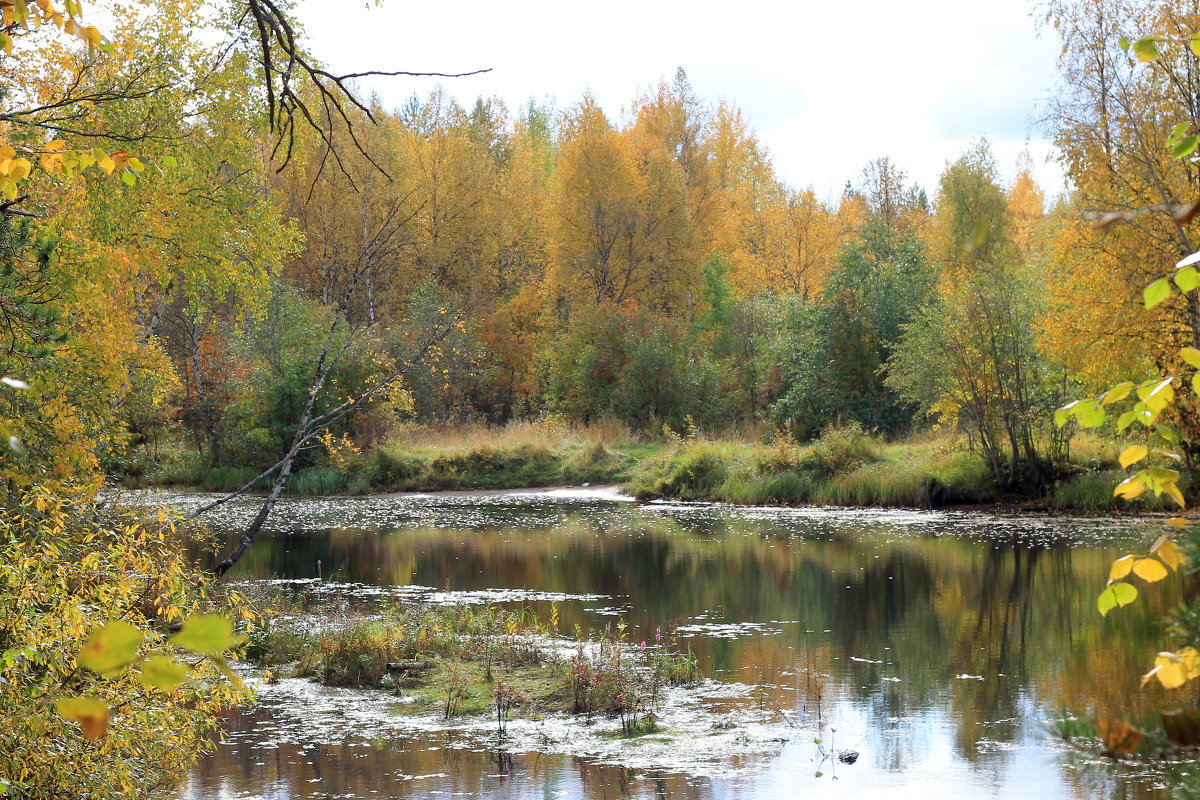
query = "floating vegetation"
{"x": 465, "y": 659}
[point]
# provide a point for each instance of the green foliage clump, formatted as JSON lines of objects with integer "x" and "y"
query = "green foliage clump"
{"x": 842, "y": 449}
{"x": 688, "y": 471}
{"x": 835, "y": 349}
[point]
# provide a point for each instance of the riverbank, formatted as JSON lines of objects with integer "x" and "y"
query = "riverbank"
{"x": 845, "y": 467}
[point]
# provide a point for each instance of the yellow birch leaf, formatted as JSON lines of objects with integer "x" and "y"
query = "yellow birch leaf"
{"x": 1131, "y": 487}
{"x": 106, "y": 164}
{"x": 1150, "y": 570}
{"x": 162, "y": 672}
{"x": 1133, "y": 454}
{"x": 1170, "y": 554}
{"x": 1116, "y": 393}
{"x": 1171, "y": 671}
{"x": 112, "y": 648}
{"x": 1121, "y": 567}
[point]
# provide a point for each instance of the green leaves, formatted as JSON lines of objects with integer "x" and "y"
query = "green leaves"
{"x": 1185, "y": 146}
{"x": 1090, "y": 415}
{"x": 1187, "y": 279}
{"x": 1116, "y": 595}
{"x": 1156, "y": 292}
{"x": 163, "y": 673}
{"x": 207, "y": 634}
{"x": 111, "y": 649}
{"x": 1146, "y": 49}
{"x": 1159, "y": 395}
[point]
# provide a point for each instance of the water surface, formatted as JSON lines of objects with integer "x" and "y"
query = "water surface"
{"x": 936, "y": 645}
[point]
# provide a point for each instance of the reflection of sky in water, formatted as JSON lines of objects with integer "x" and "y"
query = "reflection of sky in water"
{"x": 936, "y": 644}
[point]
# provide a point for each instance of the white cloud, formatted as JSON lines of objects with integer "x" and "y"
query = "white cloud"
{"x": 827, "y": 86}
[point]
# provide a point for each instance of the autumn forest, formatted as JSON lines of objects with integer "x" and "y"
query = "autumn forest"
{"x": 228, "y": 272}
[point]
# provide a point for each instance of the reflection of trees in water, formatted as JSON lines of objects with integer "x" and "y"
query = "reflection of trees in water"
{"x": 410, "y": 768}
{"x": 1020, "y": 615}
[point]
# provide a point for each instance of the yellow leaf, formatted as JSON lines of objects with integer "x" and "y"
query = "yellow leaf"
{"x": 1132, "y": 455}
{"x": 209, "y": 634}
{"x": 1116, "y": 393}
{"x": 1121, "y": 567}
{"x": 1179, "y": 522}
{"x": 1150, "y": 570}
{"x": 1171, "y": 670}
{"x": 1170, "y": 554}
{"x": 106, "y": 164}
{"x": 1131, "y": 487}
{"x": 1173, "y": 492}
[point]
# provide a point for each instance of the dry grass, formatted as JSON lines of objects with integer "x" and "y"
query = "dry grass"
{"x": 549, "y": 434}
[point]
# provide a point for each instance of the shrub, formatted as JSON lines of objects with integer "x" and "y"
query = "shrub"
{"x": 842, "y": 449}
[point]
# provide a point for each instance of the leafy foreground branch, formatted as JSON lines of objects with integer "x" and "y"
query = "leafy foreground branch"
{"x": 128, "y": 712}
{"x": 465, "y": 660}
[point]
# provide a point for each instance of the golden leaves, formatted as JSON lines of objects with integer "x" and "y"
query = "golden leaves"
{"x": 1170, "y": 554}
{"x": 1132, "y": 454}
{"x": 1174, "y": 669}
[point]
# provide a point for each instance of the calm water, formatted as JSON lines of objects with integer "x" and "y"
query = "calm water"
{"x": 936, "y": 645}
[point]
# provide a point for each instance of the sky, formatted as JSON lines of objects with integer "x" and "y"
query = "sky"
{"x": 826, "y": 86}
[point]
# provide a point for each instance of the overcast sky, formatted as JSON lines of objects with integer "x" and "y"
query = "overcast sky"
{"x": 827, "y": 86}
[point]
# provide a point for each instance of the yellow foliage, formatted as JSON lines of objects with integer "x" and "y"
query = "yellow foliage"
{"x": 69, "y": 569}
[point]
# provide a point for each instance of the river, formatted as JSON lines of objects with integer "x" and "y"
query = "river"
{"x": 936, "y": 646}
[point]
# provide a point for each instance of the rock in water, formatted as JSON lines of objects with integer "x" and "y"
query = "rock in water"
{"x": 847, "y": 756}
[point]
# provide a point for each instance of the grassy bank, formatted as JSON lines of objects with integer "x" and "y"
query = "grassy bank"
{"x": 468, "y": 660}
{"x": 845, "y": 467}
